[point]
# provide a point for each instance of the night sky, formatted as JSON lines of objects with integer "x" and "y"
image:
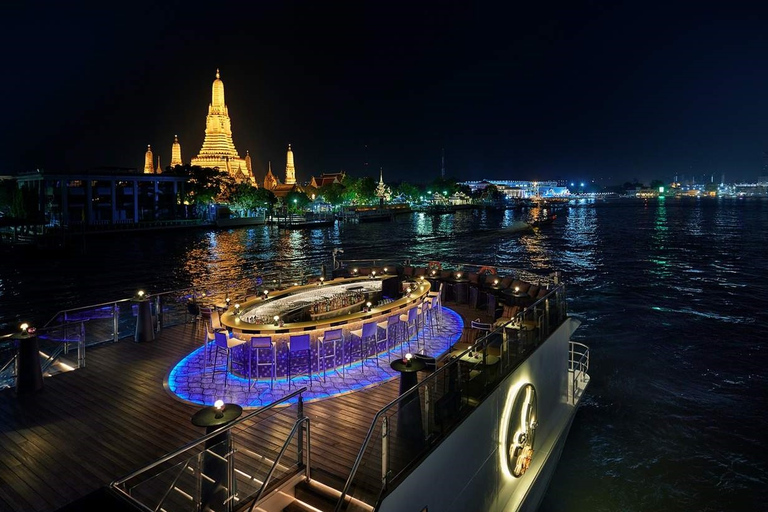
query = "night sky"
{"x": 572, "y": 90}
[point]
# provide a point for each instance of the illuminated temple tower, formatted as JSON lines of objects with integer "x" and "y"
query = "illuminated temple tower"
{"x": 176, "y": 152}
{"x": 270, "y": 182}
{"x": 148, "y": 169}
{"x": 290, "y": 170}
{"x": 218, "y": 149}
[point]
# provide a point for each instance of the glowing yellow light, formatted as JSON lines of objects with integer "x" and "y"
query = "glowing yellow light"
{"x": 24, "y": 326}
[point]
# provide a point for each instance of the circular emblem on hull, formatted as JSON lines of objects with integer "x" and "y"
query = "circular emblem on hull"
{"x": 521, "y": 431}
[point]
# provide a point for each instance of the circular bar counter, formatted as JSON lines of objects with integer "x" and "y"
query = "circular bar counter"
{"x": 314, "y": 309}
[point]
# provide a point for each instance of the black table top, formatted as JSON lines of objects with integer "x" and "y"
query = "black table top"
{"x": 207, "y": 417}
{"x": 512, "y": 292}
{"x": 414, "y": 366}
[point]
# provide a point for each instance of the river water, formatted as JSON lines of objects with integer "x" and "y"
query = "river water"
{"x": 671, "y": 294}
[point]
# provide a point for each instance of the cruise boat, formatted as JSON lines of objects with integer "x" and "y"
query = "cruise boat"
{"x": 462, "y": 402}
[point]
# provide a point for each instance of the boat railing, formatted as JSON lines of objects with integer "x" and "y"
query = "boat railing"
{"x": 416, "y": 422}
{"x": 579, "y": 368}
{"x": 61, "y": 348}
{"x": 227, "y": 468}
{"x": 88, "y": 326}
{"x": 550, "y": 279}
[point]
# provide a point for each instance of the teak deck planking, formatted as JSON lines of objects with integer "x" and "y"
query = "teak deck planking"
{"x": 88, "y": 427}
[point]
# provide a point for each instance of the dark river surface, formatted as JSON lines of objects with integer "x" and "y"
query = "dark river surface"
{"x": 672, "y": 296}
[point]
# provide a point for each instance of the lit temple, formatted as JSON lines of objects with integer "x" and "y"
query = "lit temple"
{"x": 176, "y": 152}
{"x": 148, "y": 161}
{"x": 290, "y": 170}
{"x": 218, "y": 149}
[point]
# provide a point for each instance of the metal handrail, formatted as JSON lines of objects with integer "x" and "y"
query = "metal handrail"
{"x": 206, "y": 437}
{"x": 296, "y": 427}
{"x": 479, "y": 344}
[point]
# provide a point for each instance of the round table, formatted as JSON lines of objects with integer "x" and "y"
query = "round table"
{"x": 145, "y": 331}
{"x": 409, "y": 425}
{"x": 407, "y": 371}
{"x": 29, "y": 376}
{"x": 512, "y": 294}
{"x": 213, "y": 492}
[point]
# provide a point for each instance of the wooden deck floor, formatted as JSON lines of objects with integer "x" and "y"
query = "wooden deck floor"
{"x": 91, "y": 426}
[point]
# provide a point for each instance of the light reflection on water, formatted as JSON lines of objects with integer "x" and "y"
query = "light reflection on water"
{"x": 672, "y": 298}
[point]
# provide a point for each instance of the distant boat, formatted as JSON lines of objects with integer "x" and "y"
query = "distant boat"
{"x": 546, "y": 221}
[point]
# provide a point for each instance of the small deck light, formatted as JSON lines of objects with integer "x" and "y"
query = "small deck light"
{"x": 219, "y": 406}
{"x": 24, "y": 327}
{"x": 276, "y": 318}
{"x": 140, "y": 294}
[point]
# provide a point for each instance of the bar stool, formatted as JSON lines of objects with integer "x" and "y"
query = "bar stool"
{"x": 300, "y": 343}
{"x": 368, "y": 336}
{"x": 330, "y": 337}
{"x": 222, "y": 340}
{"x": 427, "y": 315}
{"x": 438, "y": 294}
{"x": 389, "y": 326}
{"x": 208, "y": 338}
{"x": 409, "y": 321}
{"x": 259, "y": 344}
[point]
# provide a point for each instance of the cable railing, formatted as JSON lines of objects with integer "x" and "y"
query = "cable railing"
{"x": 55, "y": 344}
{"x": 227, "y": 468}
{"x": 407, "y": 428}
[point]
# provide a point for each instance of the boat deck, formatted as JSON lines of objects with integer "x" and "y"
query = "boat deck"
{"x": 88, "y": 427}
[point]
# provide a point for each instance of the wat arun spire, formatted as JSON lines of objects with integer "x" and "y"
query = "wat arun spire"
{"x": 218, "y": 148}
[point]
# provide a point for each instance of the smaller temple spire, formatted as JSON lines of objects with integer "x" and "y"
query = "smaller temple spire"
{"x": 290, "y": 170}
{"x": 176, "y": 152}
{"x": 148, "y": 161}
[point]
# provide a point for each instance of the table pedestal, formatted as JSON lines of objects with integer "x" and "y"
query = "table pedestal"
{"x": 409, "y": 411}
{"x": 145, "y": 331}
{"x": 29, "y": 376}
{"x": 217, "y": 484}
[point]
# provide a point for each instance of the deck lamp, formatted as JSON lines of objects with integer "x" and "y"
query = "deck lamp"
{"x": 295, "y": 284}
{"x": 237, "y": 310}
{"x": 24, "y": 327}
{"x": 458, "y": 275}
{"x": 517, "y": 289}
{"x": 433, "y": 272}
{"x": 227, "y": 300}
{"x": 495, "y": 282}
{"x": 354, "y": 271}
{"x": 140, "y": 294}
{"x": 408, "y": 358}
{"x": 368, "y": 306}
{"x": 322, "y": 279}
{"x": 385, "y": 270}
{"x": 373, "y": 274}
{"x": 266, "y": 294}
{"x": 276, "y": 319}
{"x": 219, "y": 406}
